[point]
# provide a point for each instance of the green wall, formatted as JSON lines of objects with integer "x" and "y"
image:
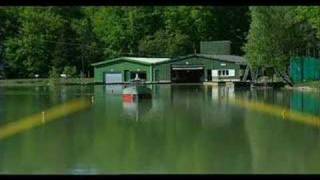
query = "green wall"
{"x": 120, "y": 66}
{"x": 209, "y": 64}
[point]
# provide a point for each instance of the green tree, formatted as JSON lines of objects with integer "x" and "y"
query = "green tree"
{"x": 162, "y": 43}
{"x": 28, "y": 52}
{"x": 141, "y": 22}
{"x": 231, "y": 23}
{"x": 109, "y": 25}
{"x": 154, "y": 45}
{"x": 310, "y": 14}
{"x": 8, "y": 28}
{"x": 89, "y": 48}
{"x": 273, "y": 34}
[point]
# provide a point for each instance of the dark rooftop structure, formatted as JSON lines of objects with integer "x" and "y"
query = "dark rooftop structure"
{"x": 215, "y": 47}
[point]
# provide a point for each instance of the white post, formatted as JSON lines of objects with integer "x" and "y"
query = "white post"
{"x": 43, "y": 120}
{"x": 137, "y": 77}
{"x": 92, "y": 99}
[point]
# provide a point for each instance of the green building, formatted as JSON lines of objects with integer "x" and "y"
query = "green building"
{"x": 191, "y": 68}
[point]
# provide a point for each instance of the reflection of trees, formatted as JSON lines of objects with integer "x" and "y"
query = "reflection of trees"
{"x": 51, "y": 148}
{"x": 39, "y": 150}
{"x": 282, "y": 146}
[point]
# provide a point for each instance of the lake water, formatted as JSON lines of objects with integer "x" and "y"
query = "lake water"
{"x": 182, "y": 129}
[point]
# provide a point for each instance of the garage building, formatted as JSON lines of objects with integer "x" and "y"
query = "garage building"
{"x": 190, "y": 68}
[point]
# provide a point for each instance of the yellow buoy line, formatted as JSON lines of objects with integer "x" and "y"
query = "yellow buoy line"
{"x": 284, "y": 113}
{"x": 38, "y": 119}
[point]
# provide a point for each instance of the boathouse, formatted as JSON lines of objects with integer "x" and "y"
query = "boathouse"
{"x": 202, "y": 67}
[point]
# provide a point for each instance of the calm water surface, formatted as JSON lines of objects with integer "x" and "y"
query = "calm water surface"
{"x": 183, "y": 129}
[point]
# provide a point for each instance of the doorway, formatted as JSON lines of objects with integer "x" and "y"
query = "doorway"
{"x": 187, "y": 75}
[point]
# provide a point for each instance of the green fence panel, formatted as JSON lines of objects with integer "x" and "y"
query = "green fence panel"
{"x": 296, "y": 70}
{"x": 304, "y": 69}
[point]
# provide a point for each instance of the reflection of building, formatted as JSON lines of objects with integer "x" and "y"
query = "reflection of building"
{"x": 114, "y": 89}
{"x": 214, "y": 63}
{"x": 137, "y": 109}
{"x": 219, "y": 93}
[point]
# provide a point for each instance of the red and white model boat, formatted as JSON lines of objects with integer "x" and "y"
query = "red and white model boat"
{"x": 137, "y": 89}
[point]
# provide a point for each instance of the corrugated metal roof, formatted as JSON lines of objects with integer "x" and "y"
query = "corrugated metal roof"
{"x": 225, "y": 58}
{"x": 229, "y": 58}
{"x": 143, "y": 60}
{"x": 148, "y": 60}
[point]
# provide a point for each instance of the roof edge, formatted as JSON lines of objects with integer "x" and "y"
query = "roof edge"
{"x": 204, "y": 56}
{"x": 125, "y": 58}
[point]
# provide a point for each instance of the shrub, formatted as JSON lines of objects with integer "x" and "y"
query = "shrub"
{"x": 70, "y": 71}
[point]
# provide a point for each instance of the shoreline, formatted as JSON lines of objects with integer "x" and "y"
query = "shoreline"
{"x": 306, "y": 87}
{"x": 313, "y": 86}
{"x": 302, "y": 88}
{"x": 45, "y": 82}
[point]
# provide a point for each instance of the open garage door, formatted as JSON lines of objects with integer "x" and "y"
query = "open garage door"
{"x": 113, "y": 78}
{"x": 187, "y": 74}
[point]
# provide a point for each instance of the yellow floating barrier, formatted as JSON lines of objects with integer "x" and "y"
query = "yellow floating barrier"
{"x": 51, "y": 114}
{"x": 284, "y": 113}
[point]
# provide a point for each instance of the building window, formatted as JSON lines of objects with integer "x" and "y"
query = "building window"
{"x": 232, "y": 73}
{"x": 141, "y": 75}
{"x": 223, "y": 73}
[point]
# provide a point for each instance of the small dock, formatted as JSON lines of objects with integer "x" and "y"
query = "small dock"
{"x": 247, "y": 84}
{"x": 242, "y": 84}
{"x": 275, "y": 85}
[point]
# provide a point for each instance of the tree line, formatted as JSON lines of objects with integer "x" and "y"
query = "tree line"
{"x": 51, "y": 40}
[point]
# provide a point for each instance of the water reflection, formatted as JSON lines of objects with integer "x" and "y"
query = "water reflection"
{"x": 185, "y": 129}
{"x": 221, "y": 93}
{"x": 305, "y": 102}
{"x": 113, "y": 89}
{"x": 137, "y": 109}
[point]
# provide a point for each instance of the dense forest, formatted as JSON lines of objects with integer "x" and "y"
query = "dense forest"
{"x": 53, "y": 40}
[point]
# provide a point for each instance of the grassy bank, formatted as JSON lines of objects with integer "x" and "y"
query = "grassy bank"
{"x": 306, "y": 86}
{"x": 46, "y": 81}
{"x": 311, "y": 84}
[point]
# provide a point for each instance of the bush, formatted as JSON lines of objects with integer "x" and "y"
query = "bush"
{"x": 53, "y": 76}
{"x": 70, "y": 71}
{"x": 53, "y": 73}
